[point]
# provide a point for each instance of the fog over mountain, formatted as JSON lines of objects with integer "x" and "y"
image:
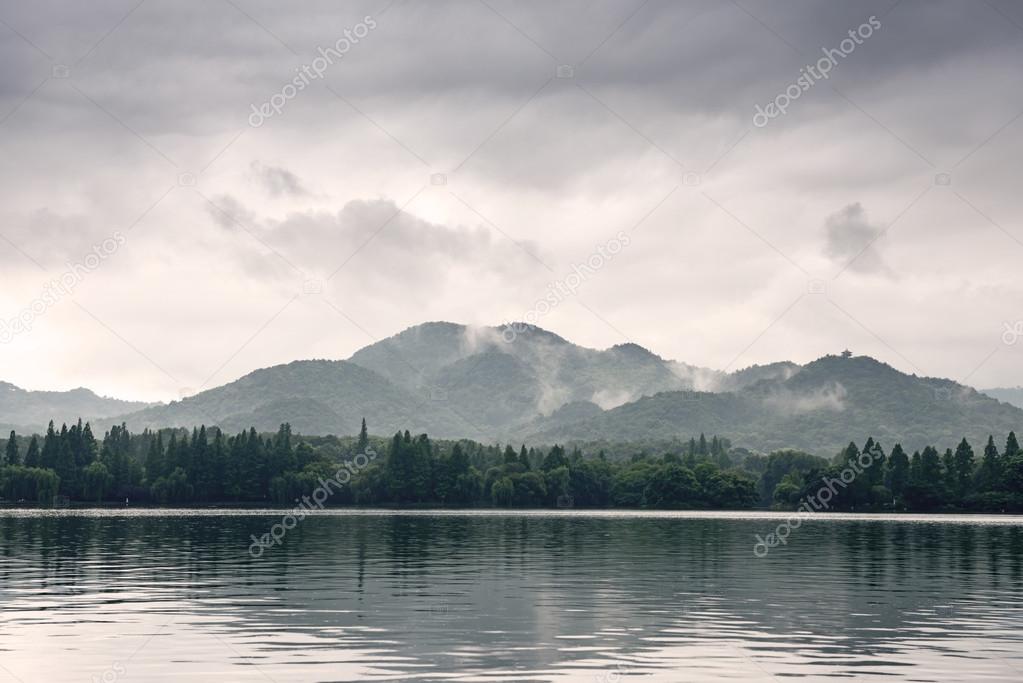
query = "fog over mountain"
{"x": 523, "y": 383}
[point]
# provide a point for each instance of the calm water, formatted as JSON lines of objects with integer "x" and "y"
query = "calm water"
{"x": 379, "y": 596}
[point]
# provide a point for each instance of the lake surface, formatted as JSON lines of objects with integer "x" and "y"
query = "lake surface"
{"x": 568, "y": 596}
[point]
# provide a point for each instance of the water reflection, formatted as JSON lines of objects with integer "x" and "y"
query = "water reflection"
{"x": 567, "y": 597}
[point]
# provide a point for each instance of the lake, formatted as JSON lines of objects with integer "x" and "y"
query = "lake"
{"x": 160, "y": 595}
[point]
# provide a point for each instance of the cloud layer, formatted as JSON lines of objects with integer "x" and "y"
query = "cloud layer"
{"x": 462, "y": 156}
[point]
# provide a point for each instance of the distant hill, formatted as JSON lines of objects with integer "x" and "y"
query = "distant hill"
{"x": 1013, "y": 395}
{"x": 820, "y": 408}
{"x": 29, "y": 411}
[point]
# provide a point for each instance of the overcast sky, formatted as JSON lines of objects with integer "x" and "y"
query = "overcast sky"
{"x": 881, "y": 212}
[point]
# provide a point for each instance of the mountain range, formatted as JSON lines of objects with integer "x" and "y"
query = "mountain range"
{"x": 524, "y": 383}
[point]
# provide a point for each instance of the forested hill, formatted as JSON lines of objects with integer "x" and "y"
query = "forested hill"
{"x": 813, "y": 410}
{"x": 442, "y": 378}
{"x": 520, "y": 382}
{"x": 24, "y": 409}
{"x": 314, "y": 396}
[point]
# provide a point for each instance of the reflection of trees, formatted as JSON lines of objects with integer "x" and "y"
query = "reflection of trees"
{"x": 435, "y": 584}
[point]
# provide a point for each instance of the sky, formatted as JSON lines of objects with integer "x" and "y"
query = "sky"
{"x": 193, "y": 190}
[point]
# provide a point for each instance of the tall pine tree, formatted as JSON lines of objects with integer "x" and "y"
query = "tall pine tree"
{"x": 363, "y": 442}
{"x": 11, "y": 455}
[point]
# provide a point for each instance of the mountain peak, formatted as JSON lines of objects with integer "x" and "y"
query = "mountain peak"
{"x": 635, "y": 350}
{"x": 514, "y": 330}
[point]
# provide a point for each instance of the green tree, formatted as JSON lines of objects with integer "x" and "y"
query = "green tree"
{"x": 51, "y": 448}
{"x": 554, "y": 459}
{"x": 898, "y": 471}
{"x": 675, "y": 487}
{"x": 11, "y": 455}
{"x": 948, "y": 471}
{"x": 97, "y": 481}
{"x": 927, "y": 484}
{"x": 154, "y": 459}
{"x": 363, "y": 443}
{"x": 1011, "y": 446}
{"x": 32, "y": 456}
{"x": 503, "y": 492}
{"x": 524, "y": 459}
{"x": 989, "y": 475}
{"x": 963, "y": 465}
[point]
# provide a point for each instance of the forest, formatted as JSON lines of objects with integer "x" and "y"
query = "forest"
{"x": 205, "y": 466}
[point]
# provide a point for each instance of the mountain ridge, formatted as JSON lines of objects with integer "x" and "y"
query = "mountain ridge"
{"x": 521, "y": 382}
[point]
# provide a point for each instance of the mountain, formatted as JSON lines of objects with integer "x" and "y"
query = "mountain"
{"x": 31, "y": 410}
{"x": 501, "y": 378}
{"x": 1012, "y": 395}
{"x": 523, "y": 383}
{"x": 819, "y": 408}
{"x": 315, "y": 396}
{"x": 446, "y": 379}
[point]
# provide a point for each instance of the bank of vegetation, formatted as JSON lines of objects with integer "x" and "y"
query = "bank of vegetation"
{"x": 208, "y": 467}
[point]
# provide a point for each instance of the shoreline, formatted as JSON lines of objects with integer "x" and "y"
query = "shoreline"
{"x": 610, "y": 513}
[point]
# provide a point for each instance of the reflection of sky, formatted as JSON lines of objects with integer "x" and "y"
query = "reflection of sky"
{"x": 527, "y": 597}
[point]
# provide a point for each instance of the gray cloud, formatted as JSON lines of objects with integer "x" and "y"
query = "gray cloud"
{"x": 532, "y": 165}
{"x": 852, "y": 241}
{"x": 279, "y": 181}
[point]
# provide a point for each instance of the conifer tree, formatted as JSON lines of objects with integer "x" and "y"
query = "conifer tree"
{"x": 930, "y": 467}
{"x": 963, "y": 466}
{"x": 154, "y": 459}
{"x": 524, "y": 458}
{"x": 898, "y": 471}
{"x": 1011, "y": 447}
{"x": 32, "y": 456}
{"x": 916, "y": 471}
{"x": 363, "y": 442}
{"x": 990, "y": 475}
{"x": 11, "y": 455}
{"x": 48, "y": 457}
{"x": 948, "y": 470}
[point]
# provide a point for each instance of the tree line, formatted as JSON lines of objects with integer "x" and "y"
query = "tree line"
{"x": 206, "y": 466}
{"x": 928, "y": 480}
